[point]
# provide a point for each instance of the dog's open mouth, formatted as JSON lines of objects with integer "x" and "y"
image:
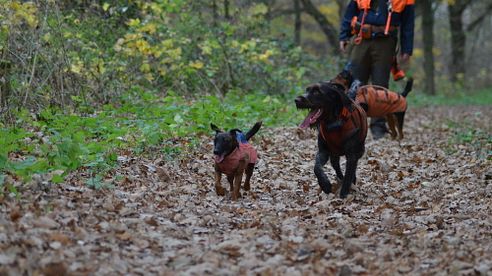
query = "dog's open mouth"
{"x": 311, "y": 118}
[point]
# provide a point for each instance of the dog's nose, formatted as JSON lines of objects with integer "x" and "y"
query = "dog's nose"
{"x": 299, "y": 100}
{"x": 216, "y": 152}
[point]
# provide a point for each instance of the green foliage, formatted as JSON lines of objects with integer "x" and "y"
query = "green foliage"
{"x": 481, "y": 97}
{"x": 143, "y": 123}
{"x": 82, "y": 60}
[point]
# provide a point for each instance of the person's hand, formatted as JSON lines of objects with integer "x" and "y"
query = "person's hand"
{"x": 343, "y": 46}
{"x": 404, "y": 58}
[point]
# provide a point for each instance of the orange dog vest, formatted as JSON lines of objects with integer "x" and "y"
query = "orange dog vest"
{"x": 380, "y": 101}
{"x": 352, "y": 121}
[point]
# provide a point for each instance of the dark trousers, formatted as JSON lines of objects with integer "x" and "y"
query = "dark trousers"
{"x": 371, "y": 60}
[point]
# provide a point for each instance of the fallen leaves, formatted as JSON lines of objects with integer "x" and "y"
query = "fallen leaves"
{"x": 417, "y": 208}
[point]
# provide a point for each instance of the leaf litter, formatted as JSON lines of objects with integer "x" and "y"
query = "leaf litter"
{"x": 420, "y": 206}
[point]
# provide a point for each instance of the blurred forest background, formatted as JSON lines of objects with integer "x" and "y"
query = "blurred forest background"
{"x": 85, "y": 53}
{"x": 81, "y": 80}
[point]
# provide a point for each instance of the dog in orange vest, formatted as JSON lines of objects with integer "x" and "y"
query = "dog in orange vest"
{"x": 377, "y": 101}
{"x": 342, "y": 130}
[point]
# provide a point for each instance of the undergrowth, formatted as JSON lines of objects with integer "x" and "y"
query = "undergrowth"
{"x": 55, "y": 142}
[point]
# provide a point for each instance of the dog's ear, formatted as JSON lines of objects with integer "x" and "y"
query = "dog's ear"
{"x": 215, "y": 128}
{"x": 233, "y": 132}
{"x": 341, "y": 97}
{"x": 344, "y": 99}
{"x": 347, "y": 76}
{"x": 234, "y": 135}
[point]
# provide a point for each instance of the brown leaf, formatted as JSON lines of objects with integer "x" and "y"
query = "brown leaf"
{"x": 125, "y": 236}
{"x": 152, "y": 221}
{"x": 54, "y": 269}
{"x": 163, "y": 175}
{"x": 59, "y": 237}
{"x": 45, "y": 222}
{"x": 15, "y": 214}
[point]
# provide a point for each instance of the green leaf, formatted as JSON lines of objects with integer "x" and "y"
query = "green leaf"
{"x": 57, "y": 179}
{"x": 178, "y": 119}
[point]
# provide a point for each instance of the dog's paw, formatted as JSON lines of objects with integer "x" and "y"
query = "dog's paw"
{"x": 326, "y": 188}
{"x": 247, "y": 187}
{"x": 344, "y": 193}
{"x": 235, "y": 197}
{"x": 220, "y": 191}
{"x": 335, "y": 187}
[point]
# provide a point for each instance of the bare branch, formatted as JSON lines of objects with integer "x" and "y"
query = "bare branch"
{"x": 479, "y": 19}
{"x": 328, "y": 29}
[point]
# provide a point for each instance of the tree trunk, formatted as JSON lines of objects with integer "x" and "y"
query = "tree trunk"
{"x": 226, "y": 10}
{"x": 298, "y": 22}
{"x": 458, "y": 39}
{"x": 428, "y": 40}
{"x": 215, "y": 13}
{"x": 5, "y": 88}
{"x": 328, "y": 29}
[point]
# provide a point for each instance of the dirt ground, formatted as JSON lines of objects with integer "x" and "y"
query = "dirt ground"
{"x": 421, "y": 206}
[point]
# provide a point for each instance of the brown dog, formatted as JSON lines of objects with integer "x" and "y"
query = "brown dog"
{"x": 234, "y": 156}
{"x": 378, "y": 101}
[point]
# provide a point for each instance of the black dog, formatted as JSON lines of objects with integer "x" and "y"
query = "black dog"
{"x": 342, "y": 130}
{"x": 234, "y": 156}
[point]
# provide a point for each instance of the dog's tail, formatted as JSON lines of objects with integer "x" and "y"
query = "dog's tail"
{"x": 408, "y": 87}
{"x": 253, "y": 130}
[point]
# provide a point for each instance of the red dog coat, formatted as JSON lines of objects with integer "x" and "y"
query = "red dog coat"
{"x": 352, "y": 121}
{"x": 230, "y": 163}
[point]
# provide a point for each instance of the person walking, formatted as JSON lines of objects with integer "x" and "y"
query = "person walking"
{"x": 371, "y": 27}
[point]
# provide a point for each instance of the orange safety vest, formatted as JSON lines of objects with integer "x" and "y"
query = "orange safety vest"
{"x": 380, "y": 101}
{"x": 398, "y": 5}
{"x": 352, "y": 121}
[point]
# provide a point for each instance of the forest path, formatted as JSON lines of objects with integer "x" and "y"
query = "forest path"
{"x": 420, "y": 206}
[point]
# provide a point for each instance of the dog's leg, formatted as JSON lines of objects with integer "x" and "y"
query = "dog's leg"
{"x": 335, "y": 163}
{"x": 391, "y": 125}
{"x": 218, "y": 188}
{"x": 230, "y": 179}
{"x": 400, "y": 117}
{"x": 238, "y": 176}
{"x": 249, "y": 172}
{"x": 321, "y": 158}
{"x": 350, "y": 172}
